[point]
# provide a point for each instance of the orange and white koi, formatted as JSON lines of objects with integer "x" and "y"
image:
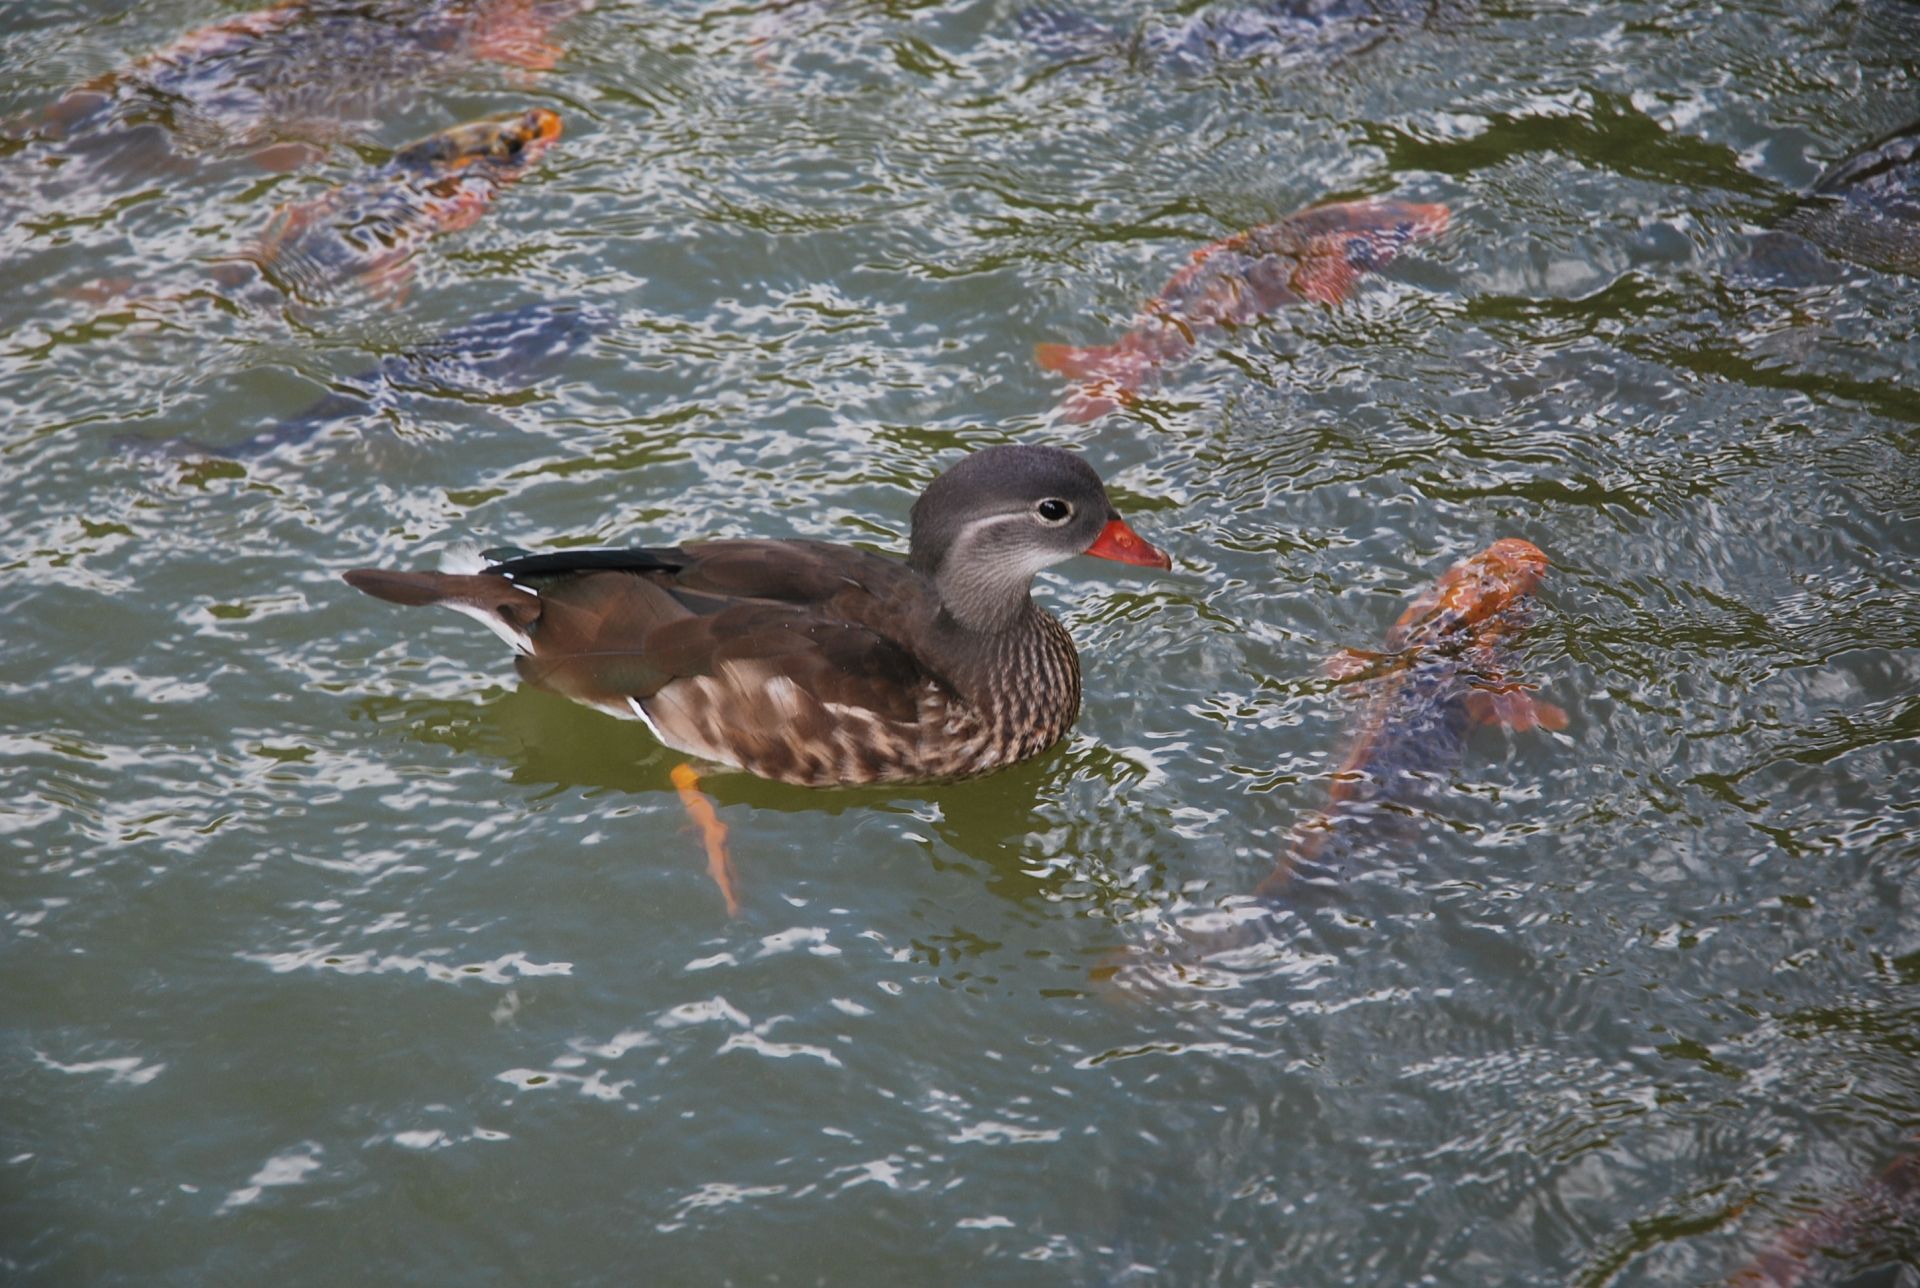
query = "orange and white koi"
{"x": 1318, "y": 255}
{"x": 1886, "y": 1203}
{"x": 1444, "y": 673}
{"x": 370, "y": 229}
{"x": 307, "y": 72}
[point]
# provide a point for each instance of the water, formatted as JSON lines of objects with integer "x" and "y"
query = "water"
{"x": 331, "y": 951}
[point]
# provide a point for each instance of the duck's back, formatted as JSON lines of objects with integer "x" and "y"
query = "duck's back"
{"x": 799, "y": 661}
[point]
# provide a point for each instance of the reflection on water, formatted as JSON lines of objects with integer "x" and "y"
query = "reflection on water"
{"x": 329, "y": 949}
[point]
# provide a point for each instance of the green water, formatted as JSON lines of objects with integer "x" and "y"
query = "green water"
{"x": 331, "y": 954}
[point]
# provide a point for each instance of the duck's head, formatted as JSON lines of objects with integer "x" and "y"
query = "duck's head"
{"x": 985, "y": 527}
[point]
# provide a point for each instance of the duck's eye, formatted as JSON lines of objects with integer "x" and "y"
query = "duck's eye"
{"x": 1053, "y": 510}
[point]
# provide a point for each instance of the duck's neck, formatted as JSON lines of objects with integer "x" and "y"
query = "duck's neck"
{"x": 982, "y": 599}
{"x": 1026, "y": 672}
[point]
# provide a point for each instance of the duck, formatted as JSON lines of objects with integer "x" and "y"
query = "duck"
{"x": 815, "y": 663}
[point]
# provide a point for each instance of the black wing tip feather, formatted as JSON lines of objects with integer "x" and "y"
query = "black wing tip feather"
{"x": 565, "y": 561}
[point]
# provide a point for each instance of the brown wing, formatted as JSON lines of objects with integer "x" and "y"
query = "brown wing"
{"x": 604, "y": 627}
{"x": 822, "y": 617}
{"x": 788, "y": 572}
{"x": 799, "y": 572}
{"x": 594, "y": 640}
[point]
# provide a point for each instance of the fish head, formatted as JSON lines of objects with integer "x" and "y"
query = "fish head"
{"x": 503, "y": 145}
{"x": 1417, "y": 221}
{"x": 1473, "y": 594}
{"x": 1374, "y": 232}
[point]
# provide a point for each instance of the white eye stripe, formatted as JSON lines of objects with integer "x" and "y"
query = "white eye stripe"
{"x": 1024, "y": 560}
{"x": 972, "y": 526}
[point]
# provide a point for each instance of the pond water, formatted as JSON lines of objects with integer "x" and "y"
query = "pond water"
{"x": 332, "y": 951}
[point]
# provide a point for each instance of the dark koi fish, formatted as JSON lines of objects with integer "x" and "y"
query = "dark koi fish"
{"x": 307, "y": 71}
{"x": 369, "y": 230}
{"x": 1321, "y": 31}
{"x": 1888, "y": 1203}
{"x": 1318, "y": 255}
{"x": 496, "y": 353}
{"x": 1867, "y": 207}
{"x": 1441, "y": 676}
{"x": 1864, "y": 209}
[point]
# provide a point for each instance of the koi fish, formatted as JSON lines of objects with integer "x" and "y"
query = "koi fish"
{"x": 1441, "y": 676}
{"x": 495, "y": 353}
{"x": 307, "y": 71}
{"x": 370, "y": 229}
{"x": 1318, "y": 255}
{"x": 1279, "y": 30}
{"x": 1890, "y": 1200}
{"x": 1865, "y": 208}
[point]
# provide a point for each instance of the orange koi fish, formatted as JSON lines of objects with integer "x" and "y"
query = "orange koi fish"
{"x": 370, "y": 229}
{"x": 1317, "y": 255}
{"x": 1888, "y": 1203}
{"x": 307, "y": 71}
{"x": 1441, "y": 676}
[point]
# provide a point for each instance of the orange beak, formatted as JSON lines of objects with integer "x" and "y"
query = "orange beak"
{"x": 1122, "y": 544}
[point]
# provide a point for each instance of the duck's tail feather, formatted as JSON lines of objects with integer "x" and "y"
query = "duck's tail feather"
{"x": 493, "y": 601}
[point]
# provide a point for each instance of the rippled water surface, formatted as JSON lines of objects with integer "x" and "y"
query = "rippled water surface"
{"x": 332, "y": 953}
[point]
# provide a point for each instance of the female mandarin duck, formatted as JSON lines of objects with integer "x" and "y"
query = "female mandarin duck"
{"x": 814, "y": 663}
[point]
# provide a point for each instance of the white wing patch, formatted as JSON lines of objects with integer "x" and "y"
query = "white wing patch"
{"x": 640, "y": 714}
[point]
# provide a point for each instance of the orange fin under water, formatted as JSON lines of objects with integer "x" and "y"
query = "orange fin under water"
{"x": 1517, "y": 709}
{"x": 1077, "y": 363}
{"x": 713, "y": 833}
{"x": 1109, "y": 374}
{"x": 1354, "y": 664}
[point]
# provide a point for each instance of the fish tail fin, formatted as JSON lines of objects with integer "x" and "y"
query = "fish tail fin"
{"x": 493, "y": 601}
{"x": 1516, "y": 709}
{"x": 1303, "y": 867}
{"x": 1109, "y": 376}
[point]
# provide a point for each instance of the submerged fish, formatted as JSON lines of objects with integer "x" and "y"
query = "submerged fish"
{"x": 1864, "y": 209}
{"x": 495, "y": 353}
{"x": 1443, "y": 674}
{"x": 1320, "y": 30}
{"x": 307, "y": 70}
{"x": 1317, "y": 255}
{"x": 1885, "y": 1206}
{"x": 1867, "y": 207}
{"x": 369, "y": 229}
